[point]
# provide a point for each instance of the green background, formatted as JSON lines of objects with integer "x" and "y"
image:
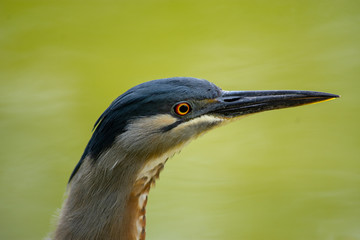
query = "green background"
{"x": 280, "y": 175}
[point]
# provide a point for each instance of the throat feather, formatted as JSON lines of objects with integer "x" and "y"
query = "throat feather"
{"x": 145, "y": 179}
{"x": 139, "y": 196}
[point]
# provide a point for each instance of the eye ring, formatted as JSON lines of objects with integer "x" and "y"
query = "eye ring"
{"x": 182, "y": 108}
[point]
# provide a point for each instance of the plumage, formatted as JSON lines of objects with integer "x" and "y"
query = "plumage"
{"x": 133, "y": 139}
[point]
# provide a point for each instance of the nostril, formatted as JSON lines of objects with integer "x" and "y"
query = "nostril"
{"x": 231, "y": 99}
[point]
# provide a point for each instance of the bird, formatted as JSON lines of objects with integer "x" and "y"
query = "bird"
{"x": 134, "y": 137}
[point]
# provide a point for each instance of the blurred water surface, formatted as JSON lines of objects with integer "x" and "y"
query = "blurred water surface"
{"x": 289, "y": 174}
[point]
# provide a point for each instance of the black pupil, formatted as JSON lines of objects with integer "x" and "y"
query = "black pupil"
{"x": 183, "y": 108}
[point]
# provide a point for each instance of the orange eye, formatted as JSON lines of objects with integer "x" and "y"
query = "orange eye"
{"x": 182, "y": 109}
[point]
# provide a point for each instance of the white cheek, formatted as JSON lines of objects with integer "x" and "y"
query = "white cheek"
{"x": 203, "y": 120}
{"x": 195, "y": 127}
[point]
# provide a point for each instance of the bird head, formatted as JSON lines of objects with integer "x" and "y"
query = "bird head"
{"x": 159, "y": 116}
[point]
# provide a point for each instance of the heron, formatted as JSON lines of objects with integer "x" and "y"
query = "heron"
{"x": 135, "y": 136}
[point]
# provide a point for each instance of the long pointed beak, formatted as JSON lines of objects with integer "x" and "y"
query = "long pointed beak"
{"x": 238, "y": 103}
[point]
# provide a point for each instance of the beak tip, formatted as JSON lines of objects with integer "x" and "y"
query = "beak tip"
{"x": 333, "y": 96}
{"x": 322, "y": 95}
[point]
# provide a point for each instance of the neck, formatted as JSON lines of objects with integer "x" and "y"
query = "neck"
{"x": 107, "y": 199}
